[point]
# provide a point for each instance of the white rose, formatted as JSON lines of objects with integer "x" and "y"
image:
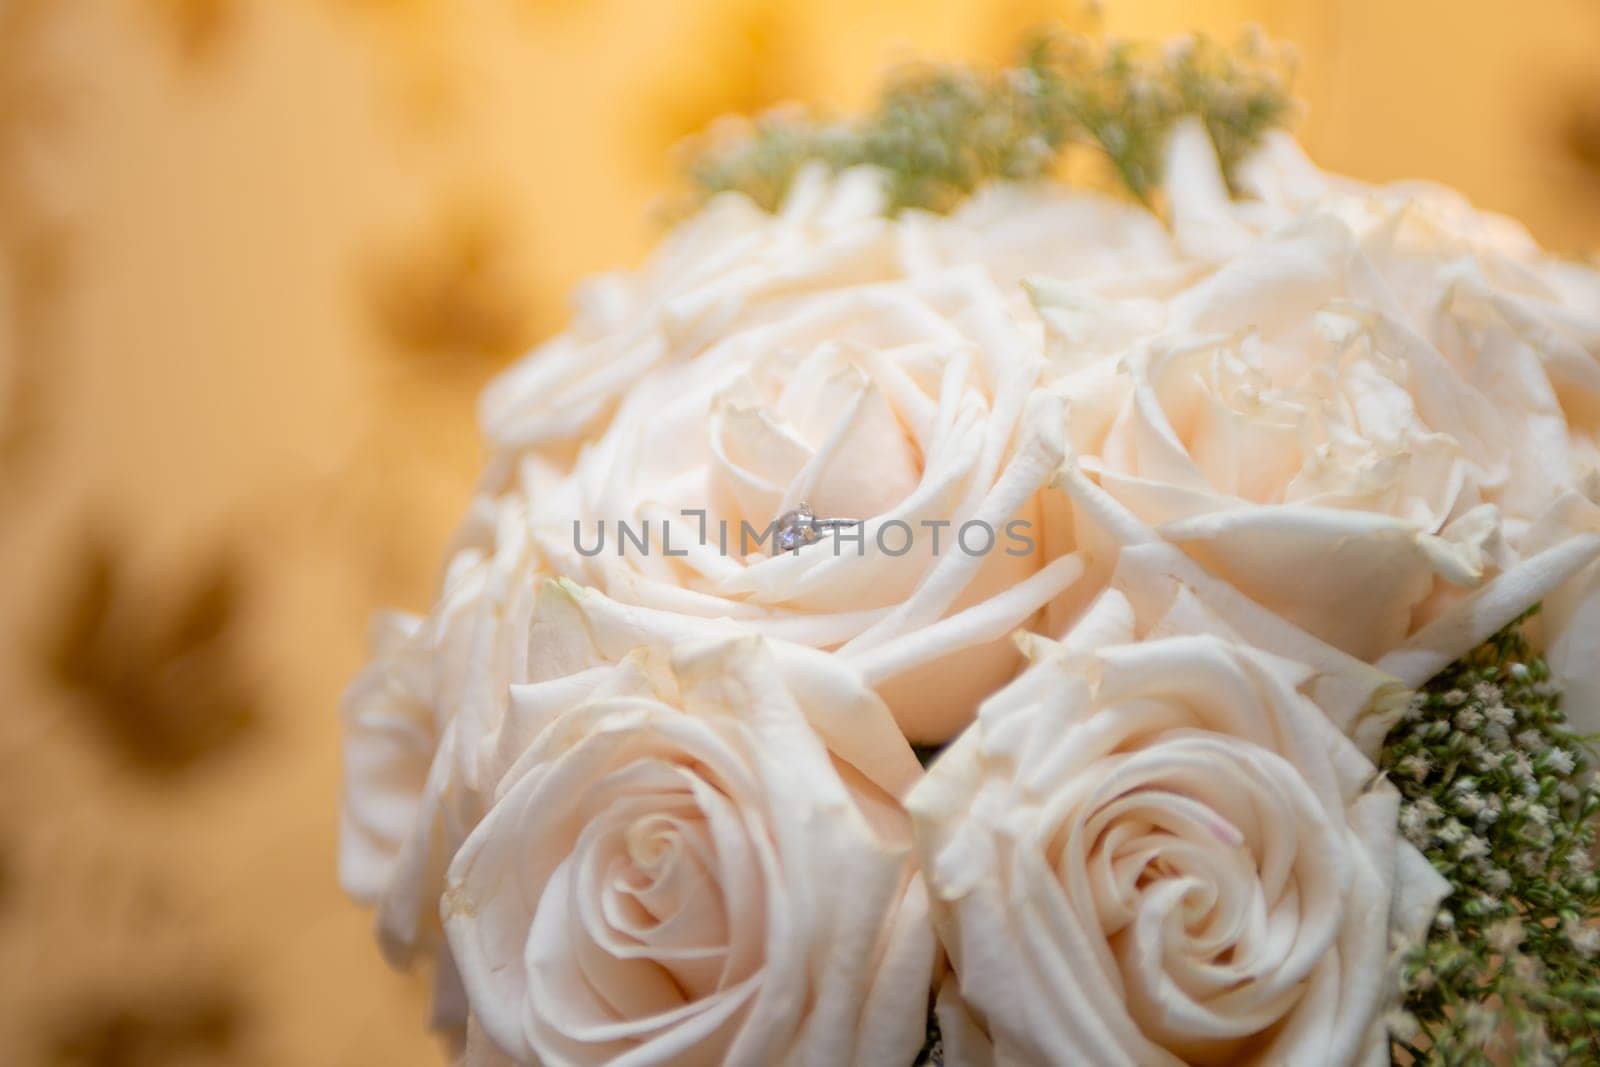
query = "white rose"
{"x": 425, "y": 739}
{"x": 730, "y": 263}
{"x": 1520, "y": 326}
{"x": 685, "y": 866}
{"x": 909, "y": 406}
{"x": 421, "y": 723}
{"x": 1515, "y": 324}
{"x": 1273, "y": 431}
{"x": 1297, "y": 423}
{"x": 1016, "y": 230}
{"x": 1155, "y": 848}
{"x": 390, "y": 737}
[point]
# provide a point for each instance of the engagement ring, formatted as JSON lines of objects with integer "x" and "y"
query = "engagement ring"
{"x": 800, "y": 527}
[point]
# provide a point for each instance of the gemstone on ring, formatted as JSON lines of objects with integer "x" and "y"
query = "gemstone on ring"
{"x": 801, "y": 527}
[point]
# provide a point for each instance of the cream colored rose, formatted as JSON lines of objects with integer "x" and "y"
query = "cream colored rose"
{"x": 685, "y": 866}
{"x": 1314, "y": 420}
{"x": 420, "y": 724}
{"x": 732, "y": 263}
{"x": 426, "y": 736}
{"x": 1016, "y": 231}
{"x": 1515, "y": 323}
{"x": 1302, "y": 446}
{"x": 1480, "y": 303}
{"x": 390, "y": 738}
{"x": 909, "y": 406}
{"x": 1524, "y": 329}
{"x": 1155, "y": 848}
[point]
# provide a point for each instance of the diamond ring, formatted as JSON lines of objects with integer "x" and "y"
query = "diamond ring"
{"x": 801, "y": 527}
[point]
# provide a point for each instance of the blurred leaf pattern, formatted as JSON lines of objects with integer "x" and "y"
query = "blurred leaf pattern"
{"x": 196, "y": 29}
{"x": 455, "y": 292}
{"x": 1582, "y": 132}
{"x": 187, "y": 1024}
{"x": 161, "y": 680}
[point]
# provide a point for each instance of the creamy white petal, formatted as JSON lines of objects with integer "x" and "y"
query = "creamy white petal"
{"x": 1155, "y": 847}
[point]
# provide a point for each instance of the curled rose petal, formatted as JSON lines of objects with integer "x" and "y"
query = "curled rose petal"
{"x": 1154, "y": 847}
{"x": 680, "y": 868}
{"x": 1369, "y": 409}
{"x": 909, "y": 407}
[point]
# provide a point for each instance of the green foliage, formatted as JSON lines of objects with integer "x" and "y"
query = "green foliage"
{"x": 941, "y": 131}
{"x": 1499, "y": 795}
{"x": 761, "y": 158}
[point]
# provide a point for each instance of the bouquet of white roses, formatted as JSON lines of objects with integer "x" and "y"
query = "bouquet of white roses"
{"x": 931, "y": 614}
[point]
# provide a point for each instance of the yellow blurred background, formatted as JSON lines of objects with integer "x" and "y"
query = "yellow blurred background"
{"x": 256, "y": 259}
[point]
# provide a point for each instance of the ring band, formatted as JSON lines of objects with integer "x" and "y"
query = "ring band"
{"x": 801, "y": 527}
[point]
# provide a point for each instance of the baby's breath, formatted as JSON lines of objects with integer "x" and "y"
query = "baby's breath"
{"x": 1502, "y": 801}
{"x": 939, "y": 131}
